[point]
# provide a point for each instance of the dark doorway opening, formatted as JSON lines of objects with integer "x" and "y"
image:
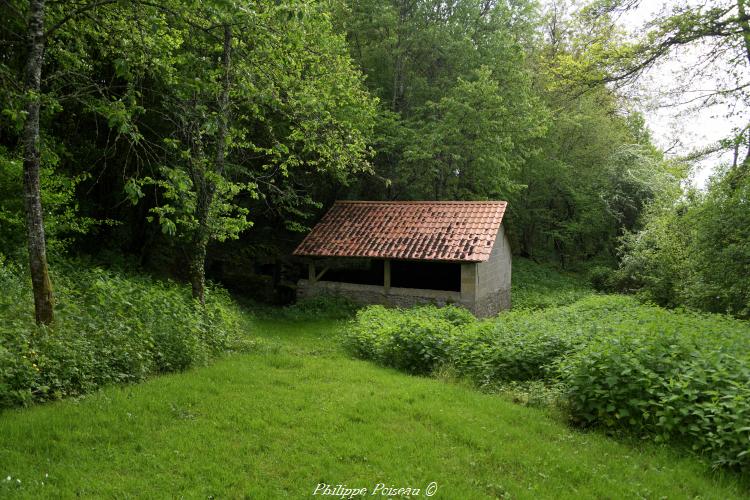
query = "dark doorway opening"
{"x": 404, "y": 273}
{"x": 361, "y": 272}
{"x": 429, "y": 275}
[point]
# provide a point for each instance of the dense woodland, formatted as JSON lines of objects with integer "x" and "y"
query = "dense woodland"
{"x": 202, "y": 139}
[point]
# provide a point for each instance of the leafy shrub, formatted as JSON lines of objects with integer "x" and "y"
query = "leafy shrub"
{"x": 526, "y": 344}
{"x": 109, "y": 328}
{"x": 415, "y": 341}
{"x": 509, "y": 350}
{"x": 518, "y": 345}
{"x": 694, "y": 248}
{"x": 675, "y": 376}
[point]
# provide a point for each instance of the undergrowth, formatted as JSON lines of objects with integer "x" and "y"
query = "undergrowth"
{"x": 110, "y": 327}
{"x": 537, "y": 286}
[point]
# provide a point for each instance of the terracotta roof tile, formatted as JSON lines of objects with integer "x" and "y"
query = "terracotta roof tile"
{"x": 420, "y": 230}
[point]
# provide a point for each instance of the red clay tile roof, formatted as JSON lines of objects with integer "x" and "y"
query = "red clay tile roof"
{"x": 420, "y": 230}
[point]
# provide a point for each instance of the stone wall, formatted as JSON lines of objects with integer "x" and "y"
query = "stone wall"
{"x": 374, "y": 294}
{"x": 493, "y": 279}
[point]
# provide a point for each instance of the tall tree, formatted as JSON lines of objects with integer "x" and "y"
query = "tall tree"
{"x": 716, "y": 35}
{"x": 258, "y": 99}
{"x": 38, "y": 35}
{"x": 42, "y": 286}
{"x": 205, "y": 187}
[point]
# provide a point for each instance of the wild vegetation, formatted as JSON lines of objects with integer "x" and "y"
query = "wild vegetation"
{"x": 296, "y": 411}
{"x": 203, "y": 139}
{"x": 693, "y": 250}
{"x": 111, "y": 328}
{"x": 176, "y": 129}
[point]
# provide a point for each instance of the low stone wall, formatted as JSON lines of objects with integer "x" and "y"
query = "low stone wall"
{"x": 488, "y": 305}
{"x": 374, "y": 294}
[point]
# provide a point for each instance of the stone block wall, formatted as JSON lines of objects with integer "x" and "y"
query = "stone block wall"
{"x": 374, "y": 294}
{"x": 494, "y": 279}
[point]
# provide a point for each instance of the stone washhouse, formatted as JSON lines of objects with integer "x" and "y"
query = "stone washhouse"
{"x": 406, "y": 253}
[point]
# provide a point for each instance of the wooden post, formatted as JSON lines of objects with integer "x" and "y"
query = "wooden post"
{"x": 311, "y": 272}
{"x": 387, "y": 275}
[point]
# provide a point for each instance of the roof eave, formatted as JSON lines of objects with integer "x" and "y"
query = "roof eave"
{"x": 387, "y": 257}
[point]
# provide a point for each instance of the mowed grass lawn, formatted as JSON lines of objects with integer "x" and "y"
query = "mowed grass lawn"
{"x": 278, "y": 422}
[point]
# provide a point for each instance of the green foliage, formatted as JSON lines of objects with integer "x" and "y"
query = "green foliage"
{"x": 674, "y": 376}
{"x": 177, "y": 216}
{"x": 415, "y": 341}
{"x": 694, "y": 250}
{"x": 458, "y": 113}
{"x": 537, "y": 286}
{"x": 62, "y": 218}
{"x": 475, "y": 105}
{"x": 110, "y": 328}
{"x": 519, "y": 345}
{"x": 295, "y": 108}
{"x": 472, "y": 142}
{"x": 138, "y": 103}
{"x": 593, "y": 173}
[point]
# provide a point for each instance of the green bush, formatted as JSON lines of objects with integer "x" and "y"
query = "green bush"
{"x": 672, "y": 375}
{"x": 109, "y": 328}
{"x": 694, "y": 248}
{"x": 514, "y": 349}
{"x": 415, "y": 341}
{"x": 526, "y": 344}
{"x": 518, "y": 345}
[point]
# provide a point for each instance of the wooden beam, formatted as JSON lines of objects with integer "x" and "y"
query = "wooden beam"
{"x": 387, "y": 275}
{"x": 311, "y": 272}
{"x": 321, "y": 273}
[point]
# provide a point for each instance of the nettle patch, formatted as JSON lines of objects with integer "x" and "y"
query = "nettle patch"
{"x": 673, "y": 376}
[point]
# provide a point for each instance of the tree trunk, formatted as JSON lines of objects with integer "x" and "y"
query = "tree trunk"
{"x": 203, "y": 195}
{"x": 198, "y": 267}
{"x": 204, "y": 188}
{"x": 745, "y": 26}
{"x": 42, "y": 286}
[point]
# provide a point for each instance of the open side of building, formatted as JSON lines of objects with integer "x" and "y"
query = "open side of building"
{"x": 408, "y": 253}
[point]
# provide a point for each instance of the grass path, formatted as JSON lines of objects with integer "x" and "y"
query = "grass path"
{"x": 278, "y": 422}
